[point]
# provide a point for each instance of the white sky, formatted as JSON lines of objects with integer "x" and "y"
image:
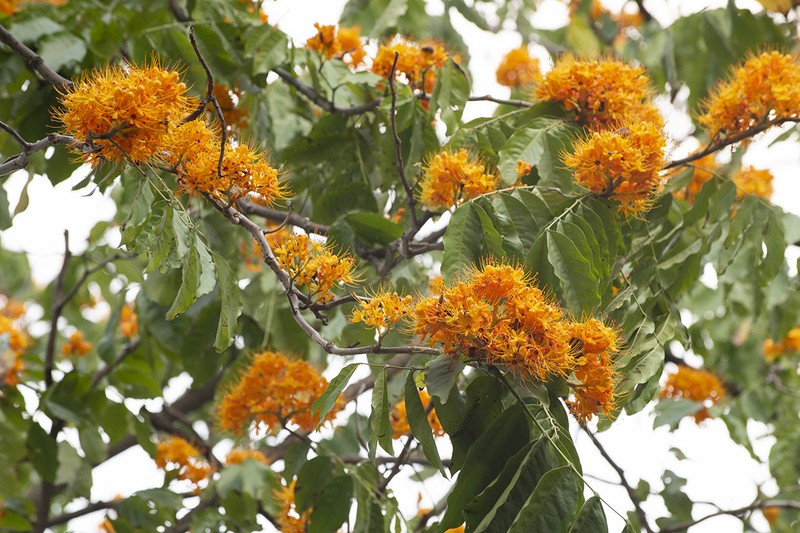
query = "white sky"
{"x": 717, "y": 470}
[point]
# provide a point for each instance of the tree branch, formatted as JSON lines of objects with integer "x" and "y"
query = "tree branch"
{"x": 90, "y": 508}
{"x": 758, "y": 504}
{"x": 276, "y": 215}
{"x": 34, "y": 62}
{"x": 20, "y": 161}
{"x": 55, "y": 312}
{"x": 126, "y": 350}
{"x": 326, "y": 105}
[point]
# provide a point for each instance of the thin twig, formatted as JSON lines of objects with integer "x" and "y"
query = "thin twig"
{"x": 646, "y": 15}
{"x": 276, "y": 215}
{"x": 637, "y": 503}
{"x": 20, "y": 161}
{"x": 326, "y": 105}
{"x": 398, "y": 149}
{"x": 90, "y": 508}
{"x": 758, "y": 504}
{"x": 34, "y": 62}
{"x": 55, "y": 313}
{"x": 126, "y": 350}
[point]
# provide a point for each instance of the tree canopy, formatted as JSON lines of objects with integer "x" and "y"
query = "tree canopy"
{"x": 363, "y": 291}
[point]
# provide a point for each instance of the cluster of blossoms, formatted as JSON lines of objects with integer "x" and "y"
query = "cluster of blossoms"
{"x": 128, "y": 322}
{"x": 695, "y": 385}
{"x": 790, "y": 343}
{"x": 417, "y": 61}
{"x": 624, "y": 163}
{"x": 313, "y": 264}
{"x": 602, "y": 92}
{"x": 496, "y": 316}
{"x": 237, "y": 118}
{"x": 399, "y": 417}
{"x": 76, "y": 345}
{"x": 450, "y": 178}
{"x": 765, "y": 87}
{"x": 341, "y": 43}
{"x": 519, "y": 69}
{"x": 704, "y": 169}
{"x": 177, "y": 455}
{"x": 597, "y": 12}
{"x": 753, "y": 181}
{"x": 137, "y": 114}
{"x": 273, "y": 391}
{"x": 13, "y": 343}
{"x": 238, "y": 456}
{"x": 288, "y": 519}
{"x": 8, "y": 7}
{"x": 382, "y": 310}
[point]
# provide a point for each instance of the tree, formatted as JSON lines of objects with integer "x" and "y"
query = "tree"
{"x": 285, "y": 208}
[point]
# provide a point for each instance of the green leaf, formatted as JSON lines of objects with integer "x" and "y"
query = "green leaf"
{"x": 541, "y": 143}
{"x": 419, "y": 424}
{"x": 62, "y": 49}
{"x": 578, "y": 285}
{"x": 332, "y": 505}
{"x": 327, "y": 400}
{"x": 389, "y": 17}
{"x": 591, "y": 519}
{"x": 441, "y": 375}
{"x": 485, "y": 460}
{"x": 187, "y": 294}
{"x": 5, "y": 210}
{"x": 671, "y": 412}
{"x": 492, "y": 241}
{"x": 311, "y": 479}
{"x": 231, "y": 304}
{"x": 462, "y": 245}
{"x": 374, "y": 228}
{"x": 450, "y": 94}
{"x": 552, "y": 505}
{"x": 267, "y": 46}
{"x": 43, "y": 451}
{"x": 380, "y": 425}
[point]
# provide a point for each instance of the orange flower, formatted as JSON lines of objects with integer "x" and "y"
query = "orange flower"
{"x": 602, "y": 92}
{"x": 343, "y": 43}
{"x": 696, "y": 385}
{"x": 417, "y": 61}
{"x": 132, "y": 108}
{"x": 763, "y": 88}
{"x": 273, "y": 390}
{"x": 790, "y": 343}
{"x": 399, "y": 417}
{"x": 235, "y": 117}
{"x": 77, "y": 345}
{"x": 289, "y": 520}
{"x": 238, "y": 455}
{"x": 313, "y": 264}
{"x": 451, "y": 178}
{"x": 771, "y": 514}
{"x": 518, "y": 69}
{"x": 750, "y": 180}
{"x": 12, "y": 309}
{"x": 595, "y": 371}
{"x": 704, "y": 169}
{"x": 7, "y": 7}
{"x": 128, "y": 322}
{"x": 624, "y": 164}
{"x": 178, "y": 455}
{"x": 382, "y": 310}
{"x": 13, "y": 343}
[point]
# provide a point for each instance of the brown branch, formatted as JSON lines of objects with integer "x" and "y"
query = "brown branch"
{"x": 90, "y": 508}
{"x": 34, "y": 62}
{"x": 326, "y": 105}
{"x": 20, "y": 161}
{"x": 758, "y": 504}
{"x": 398, "y": 152}
{"x": 276, "y": 215}
{"x": 55, "y": 313}
{"x": 501, "y": 101}
{"x": 637, "y": 503}
{"x": 180, "y": 14}
{"x": 646, "y": 15}
{"x": 733, "y": 139}
{"x": 126, "y": 350}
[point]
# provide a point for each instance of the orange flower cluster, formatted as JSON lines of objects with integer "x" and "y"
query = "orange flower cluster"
{"x": 125, "y": 111}
{"x": 8, "y": 7}
{"x": 342, "y": 43}
{"x": 753, "y": 181}
{"x": 12, "y": 309}
{"x": 239, "y": 455}
{"x": 399, "y": 417}
{"x": 451, "y": 178}
{"x": 13, "y": 343}
{"x": 597, "y": 11}
{"x": 128, "y": 322}
{"x": 417, "y": 61}
{"x": 696, "y": 385}
{"x": 763, "y": 88}
{"x": 704, "y": 169}
{"x": 497, "y": 316}
{"x": 193, "y": 151}
{"x": 790, "y": 343}
{"x": 235, "y": 117}
{"x": 594, "y": 369}
{"x": 178, "y": 455}
{"x": 76, "y": 345}
{"x": 602, "y": 92}
{"x": 518, "y": 69}
{"x": 624, "y": 164}
{"x": 312, "y": 264}
{"x": 382, "y": 310}
{"x": 274, "y": 389}
{"x": 289, "y": 520}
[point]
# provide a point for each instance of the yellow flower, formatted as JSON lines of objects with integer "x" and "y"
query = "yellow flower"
{"x": 382, "y": 310}
{"x": 131, "y": 107}
{"x": 13, "y": 343}
{"x": 624, "y": 164}
{"x": 77, "y": 345}
{"x": 763, "y": 88}
{"x": 790, "y": 343}
{"x": 595, "y": 369}
{"x": 343, "y": 43}
{"x": 176, "y": 454}
{"x": 602, "y": 92}
{"x": 289, "y": 520}
{"x": 273, "y": 390}
{"x": 128, "y": 322}
{"x": 399, "y": 417}
{"x": 704, "y": 169}
{"x": 753, "y": 181}
{"x": 7, "y": 7}
{"x": 696, "y": 385}
{"x": 450, "y": 178}
{"x": 414, "y": 60}
{"x": 238, "y": 455}
{"x": 518, "y": 69}
{"x": 235, "y": 117}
